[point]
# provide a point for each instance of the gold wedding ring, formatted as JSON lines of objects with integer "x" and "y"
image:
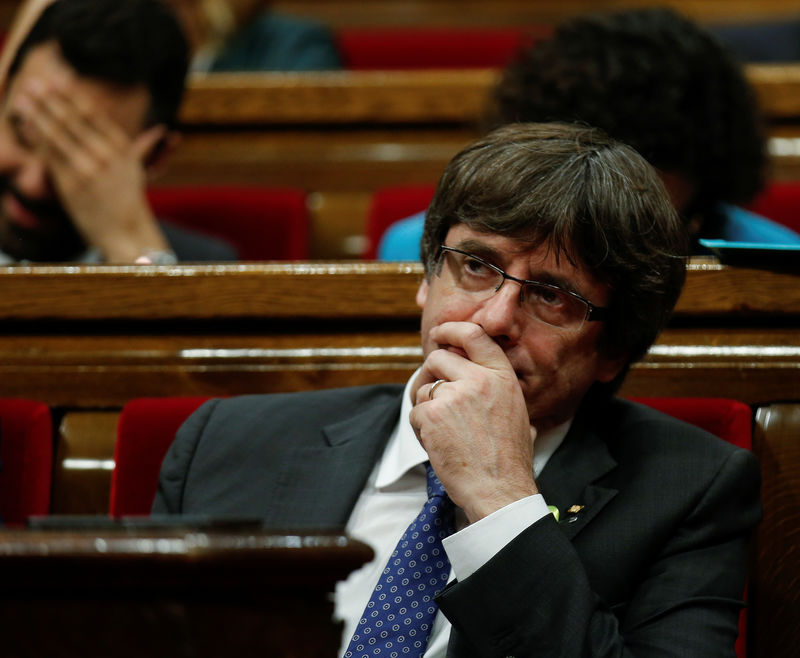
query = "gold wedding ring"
{"x": 433, "y": 388}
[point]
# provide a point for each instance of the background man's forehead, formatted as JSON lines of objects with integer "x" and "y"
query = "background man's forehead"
{"x": 127, "y": 106}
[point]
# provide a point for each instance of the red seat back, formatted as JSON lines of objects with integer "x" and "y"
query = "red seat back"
{"x": 390, "y": 204}
{"x": 730, "y": 420}
{"x": 780, "y": 201}
{"x": 26, "y": 451}
{"x": 145, "y": 431}
{"x": 411, "y": 48}
{"x": 262, "y": 223}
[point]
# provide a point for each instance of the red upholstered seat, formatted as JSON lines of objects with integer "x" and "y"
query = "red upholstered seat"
{"x": 373, "y": 48}
{"x": 390, "y": 204}
{"x": 262, "y": 223}
{"x": 145, "y": 431}
{"x": 780, "y": 201}
{"x": 26, "y": 451}
{"x": 730, "y": 420}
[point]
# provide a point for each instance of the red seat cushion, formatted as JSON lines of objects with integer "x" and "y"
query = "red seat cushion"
{"x": 730, "y": 420}
{"x": 432, "y": 48}
{"x": 780, "y": 201}
{"x": 262, "y": 223}
{"x": 391, "y": 204}
{"x": 145, "y": 431}
{"x": 26, "y": 451}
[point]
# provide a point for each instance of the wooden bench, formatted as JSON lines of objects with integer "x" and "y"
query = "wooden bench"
{"x": 775, "y": 569}
{"x": 468, "y": 13}
{"x": 341, "y": 135}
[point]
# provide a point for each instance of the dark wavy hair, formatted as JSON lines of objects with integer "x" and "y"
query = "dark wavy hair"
{"x": 656, "y": 81}
{"x": 588, "y": 198}
{"x": 121, "y": 42}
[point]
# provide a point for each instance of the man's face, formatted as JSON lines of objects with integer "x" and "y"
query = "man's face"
{"x": 33, "y": 223}
{"x": 555, "y": 367}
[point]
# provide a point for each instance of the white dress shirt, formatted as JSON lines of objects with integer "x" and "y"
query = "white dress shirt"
{"x": 393, "y": 496}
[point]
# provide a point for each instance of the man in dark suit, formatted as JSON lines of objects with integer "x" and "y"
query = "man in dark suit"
{"x": 87, "y": 119}
{"x": 553, "y": 258}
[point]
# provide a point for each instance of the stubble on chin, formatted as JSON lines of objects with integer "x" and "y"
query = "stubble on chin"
{"x": 55, "y": 240}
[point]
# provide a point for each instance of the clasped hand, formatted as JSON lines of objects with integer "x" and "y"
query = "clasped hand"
{"x": 476, "y": 429}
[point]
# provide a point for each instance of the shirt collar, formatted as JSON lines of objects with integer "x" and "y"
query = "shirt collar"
{"x": 403, "y": 452}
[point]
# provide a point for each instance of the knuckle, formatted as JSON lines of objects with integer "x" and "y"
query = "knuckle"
{"x": 474, "y": 332}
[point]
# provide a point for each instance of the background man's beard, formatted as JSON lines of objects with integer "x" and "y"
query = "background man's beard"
{"x": 55, "y": 240}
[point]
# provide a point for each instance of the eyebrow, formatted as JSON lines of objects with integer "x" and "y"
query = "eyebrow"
{"x": 480, "y": 249}
{"x": 492, "y": 255}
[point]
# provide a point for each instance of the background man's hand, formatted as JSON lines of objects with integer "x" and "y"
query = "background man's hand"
{"x": 476, "y": 428}
{"x": 97, "y": 171}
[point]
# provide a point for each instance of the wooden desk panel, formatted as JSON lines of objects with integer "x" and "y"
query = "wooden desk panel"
{"x": 91, "y": 371}
{"x": 180, "y": 592}
{"x": 483, "y": 13}
{"x": 96, "y": 336}
{"x": 342, "y": 291}
{"x": 397, "y": 97}
{"x": 774, "y": 591}
{"x": 499, "y": 13}
{"x": 339, "y": 97}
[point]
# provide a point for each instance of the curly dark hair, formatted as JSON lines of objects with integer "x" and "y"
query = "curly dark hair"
{"x": 589, "y": 199}
{"x": 656, "y": 81}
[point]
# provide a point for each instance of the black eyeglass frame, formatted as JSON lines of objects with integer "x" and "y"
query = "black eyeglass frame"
{"x": 593, "y": 313}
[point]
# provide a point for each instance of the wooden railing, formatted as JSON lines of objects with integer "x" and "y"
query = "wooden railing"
{"x": 480, "y": 13}
{"x": 95, "y": 336}
{"x": 470, "y": 13}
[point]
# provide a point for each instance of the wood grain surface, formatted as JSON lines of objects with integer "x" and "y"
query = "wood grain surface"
{"x": 775, "y": 593}
{"x": 471, "y": 13}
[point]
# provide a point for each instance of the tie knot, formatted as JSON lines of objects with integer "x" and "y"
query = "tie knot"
{"x": 435, "y": 486}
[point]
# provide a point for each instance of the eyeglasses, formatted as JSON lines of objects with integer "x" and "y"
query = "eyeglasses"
{"x": 542, "y": 301}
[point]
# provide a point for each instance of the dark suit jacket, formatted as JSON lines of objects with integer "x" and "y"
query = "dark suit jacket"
{"x": 276, "y": 42}
{"x": 190, "y": 246}
{"x": 653, "y": 565}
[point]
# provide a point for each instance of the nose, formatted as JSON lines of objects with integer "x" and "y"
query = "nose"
{"x": 500, "y": 315}
{"x": 31, "y": 178}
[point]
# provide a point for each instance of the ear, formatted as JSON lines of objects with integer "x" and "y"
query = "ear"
{"x": 422, "y": 293}
{"x": 157, "y": 158}
{"x": 608, "y": 367}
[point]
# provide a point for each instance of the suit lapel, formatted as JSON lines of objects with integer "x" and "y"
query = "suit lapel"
{"x": 318, "y": 483}
{"x": 568, "y": 480}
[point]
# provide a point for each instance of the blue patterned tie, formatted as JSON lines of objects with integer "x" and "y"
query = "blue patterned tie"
{"x": 399, "y": 616}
